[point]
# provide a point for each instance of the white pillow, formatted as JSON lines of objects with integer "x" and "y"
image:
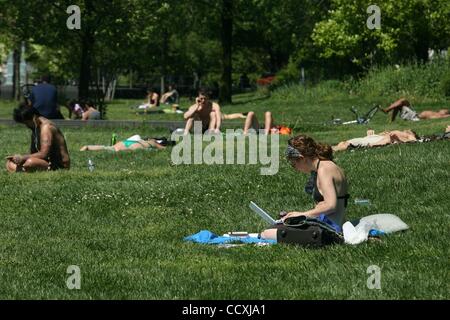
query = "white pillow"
{"x": 385, "y": 222}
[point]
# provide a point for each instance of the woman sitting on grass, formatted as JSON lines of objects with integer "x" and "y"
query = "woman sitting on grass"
{"x": 90, "y": 112}
{"x": 152, "y": 101}
{"x": 133, "y": 143}
{"x": 327, "y": 184}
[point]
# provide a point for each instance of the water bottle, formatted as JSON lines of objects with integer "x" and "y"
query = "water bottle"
{"x": 362, "y": 202}
{"x": 91, "y": 165}
{"x": 113, "y": 139}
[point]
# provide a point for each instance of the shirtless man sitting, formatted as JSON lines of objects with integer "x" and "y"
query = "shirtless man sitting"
{"x": 206, "y": 111}
{"x": 374, "y": 140}
{"x": 48, "y": 146}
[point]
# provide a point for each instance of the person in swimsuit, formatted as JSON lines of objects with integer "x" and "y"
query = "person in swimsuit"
{"x": 206, "y": 111}
{"x": 48, "y": 147}
{"x": 132, "y": 143}
{"x": 152, "y": 101}
{"x": 327, "y": 184}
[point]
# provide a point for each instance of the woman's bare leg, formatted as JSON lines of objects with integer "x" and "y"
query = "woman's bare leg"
{"x": 251, "y": 122}
{"x": 94, "y": 148}
{"x": 35, "y": 164}
{"x": 234, "y": 116}
{"x": 397, "y": 105}
{"x": 268, "y": 123}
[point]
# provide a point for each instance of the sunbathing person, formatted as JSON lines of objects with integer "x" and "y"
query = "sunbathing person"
{"x": 171, "y": 96}
{"x": 133, "y": 143}
{"x": 403, "y": 107}
{"x": 152, "y": 101}
{"x": 374, "y": 140}
{"x": 327, "y": 184}
{"x": 48, "y": 147}
{"x": 251, "y": 122}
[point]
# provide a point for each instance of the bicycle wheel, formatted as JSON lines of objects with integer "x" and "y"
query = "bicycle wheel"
{"x": 369, "y": 115}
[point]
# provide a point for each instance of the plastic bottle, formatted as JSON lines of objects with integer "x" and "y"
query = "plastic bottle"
{"x": 113, "y": 139}
{"x": 91, "y": 165}
{"x": 362, "y": 202}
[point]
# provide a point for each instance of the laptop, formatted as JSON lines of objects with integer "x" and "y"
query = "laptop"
{"x": 264, "y": 215}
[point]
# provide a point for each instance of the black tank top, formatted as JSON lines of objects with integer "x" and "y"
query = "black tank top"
{"x": 312, "y": 189}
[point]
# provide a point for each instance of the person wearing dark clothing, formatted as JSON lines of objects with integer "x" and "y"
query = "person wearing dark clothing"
{"x": 44, "y": 99}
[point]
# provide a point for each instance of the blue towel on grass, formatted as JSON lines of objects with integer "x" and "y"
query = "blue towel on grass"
{"x": 208, "y": 237}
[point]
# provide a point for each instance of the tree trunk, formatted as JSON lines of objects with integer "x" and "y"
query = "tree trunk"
{"x": 225, "y": 89}
{"x": 16, "y": 73}
{"x": 87, "y": 44}
{"x": 85, "y": 66}
{"x": 164, "y": 50}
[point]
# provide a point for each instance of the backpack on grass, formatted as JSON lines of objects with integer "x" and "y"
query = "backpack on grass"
{"x": 308, "y": 232}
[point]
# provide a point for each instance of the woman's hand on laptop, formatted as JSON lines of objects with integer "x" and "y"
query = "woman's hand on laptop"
{"x": 291, "y": 215}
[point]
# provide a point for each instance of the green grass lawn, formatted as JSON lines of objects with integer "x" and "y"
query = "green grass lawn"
{"x": 124, "y": 223}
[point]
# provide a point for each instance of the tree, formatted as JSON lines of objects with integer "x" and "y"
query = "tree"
{"x": 225, "y": 89}
{"x": 408, "y": 30}
{"x": 16, "y": 28}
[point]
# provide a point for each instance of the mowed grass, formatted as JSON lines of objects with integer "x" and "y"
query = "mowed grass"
{"x": 124, "y": 223}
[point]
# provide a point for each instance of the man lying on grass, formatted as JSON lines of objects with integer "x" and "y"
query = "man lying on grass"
{"x": 387, "y": 138}
{"x": 48, "y": 146}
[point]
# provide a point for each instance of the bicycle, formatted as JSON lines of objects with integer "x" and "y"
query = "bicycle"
{"x": 365, "y": 119}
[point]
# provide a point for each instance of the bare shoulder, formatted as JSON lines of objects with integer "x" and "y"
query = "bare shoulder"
{"x": 329, "y": 168}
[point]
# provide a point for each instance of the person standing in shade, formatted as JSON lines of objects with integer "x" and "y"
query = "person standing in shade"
{"x": 44, "y": 98}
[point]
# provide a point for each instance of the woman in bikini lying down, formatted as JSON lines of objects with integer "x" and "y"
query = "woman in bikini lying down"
{"x": 132, "y": 143}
